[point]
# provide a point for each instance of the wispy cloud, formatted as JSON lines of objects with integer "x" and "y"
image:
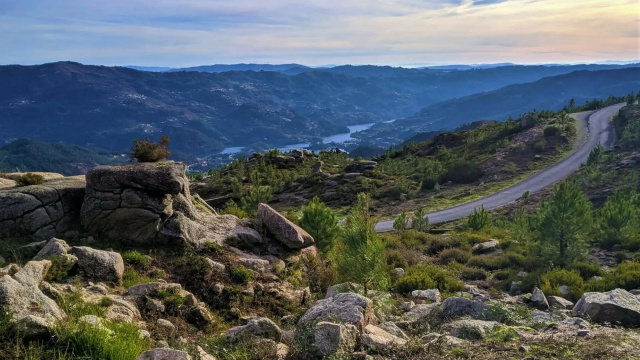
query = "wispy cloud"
{"x": 182, "y": 33}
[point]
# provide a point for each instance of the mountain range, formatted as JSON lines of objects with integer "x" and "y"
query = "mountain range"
{"x": 203, "y": 112}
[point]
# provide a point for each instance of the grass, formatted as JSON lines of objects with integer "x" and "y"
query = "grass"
{"x": 137, "y": 259}
{"x": 132, "y": 277}
{"x": 241, "y": 275}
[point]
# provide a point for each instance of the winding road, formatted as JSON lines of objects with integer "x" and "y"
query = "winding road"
{"x": 595, "y": 127}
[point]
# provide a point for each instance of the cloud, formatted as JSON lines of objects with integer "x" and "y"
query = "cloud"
{"x": 184, "y": 33}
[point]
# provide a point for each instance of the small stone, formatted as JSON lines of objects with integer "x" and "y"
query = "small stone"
{"x": 399, "y": 271}
{"x": 583, "y": 332}
{"x": 144, "y": 334}
{"x": 522, "y": 274}
{"x": 564, "y": 290}
{"x": 166, "y": 324}
{"x": 432, "y": 295}
{"x": 524, "y": 348}
{"x": 515, "y": 287}
{"x": 406, "y": 305}
{"x": 155, "y": 306}
{"x": 164, "y": 354}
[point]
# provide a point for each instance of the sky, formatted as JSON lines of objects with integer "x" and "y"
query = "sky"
{"x": 180, "y": 33}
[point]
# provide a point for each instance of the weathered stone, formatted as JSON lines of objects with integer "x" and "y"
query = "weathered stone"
{"x": 258, "y": 327}
{"x": 21, "y": 296}
{"x": 538, "y": 300}
{"x": 94, "y": 322}
{"x": 351, "y": 309}
{"x": 215, "y": 266}
{"x": 379, "y": 340}
{"x": 149, "y": 289}
{"x": 352, "y": 175}
{"x": 288, "y": 233}
{"x": 317, "y": 167}
{"x": 203, "y": 355}
{"x": 42, "y": 211}
{"x": 399, "y": 271}
{"x": 145, "y": 203}
{"x": 164, "y": 354}
{"x": 155, "y": 306}
{"x": 166, "y": 325}
{"x": 419, "y": 312}
{"x": 246, "y": 238}
{"x": 330, "y": 338}
{"x": 347, "y": 287}
{"x": 615, "y": 307}
{"x": 99, "y": 265}
{"x": 33, "y": 327}
{"x": 515, "y": 287}
{"x": 393, "y": 329}
{"x": 258, "y": 265}
{"x": 432, "y": 295}
{"x": 470, "y": 329}
{"x": 556, "y": 302}
{"x": 486, "y": 247}
{"x": 406, "y": 305}
{"x": 53, "y": 247}
{"x": 7, "y": 183}
{"x": 456, "y": 307}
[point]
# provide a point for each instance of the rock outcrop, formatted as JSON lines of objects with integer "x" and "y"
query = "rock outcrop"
{"x": 283, "y": 230}
{"x": 43, "y": 211}
{"x": 20, "y": 296}
{"x": 99, "y": 265}
{"x": 348, "y": 308}
{"x": 615, "y": 307}
{"x": 258, "y": 327}
{"x": 330, "y": 338}
{"x": 145, "y": 203}
{"x": 380, "y": 340}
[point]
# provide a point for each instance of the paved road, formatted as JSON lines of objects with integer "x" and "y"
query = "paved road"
{"x": 597, "y": 127}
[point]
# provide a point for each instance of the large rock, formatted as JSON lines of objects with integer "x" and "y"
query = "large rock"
{"x": 556, "y": 302}
{"x": 288, "y": 233}
{"x": 346, "y": 308}
{"x": 347, "y": 287}
{"x": 164, "y": 354}
{"x": 456, "y": 306}
{"x": 615, "y": 307}
{"x": 330, "y": 338}
{"x": 20, "y": 295}
{"x": 470, "y": 329}
{"x": 538, "y": 300}
{"x": 380, "y": 340}
{"x": 55, "y": 247}
{"x": 42, "y": 211}
{"x": 145, "y": 203}
{"x": 432, "y": 295}
{"x": 486, "y": 247}
{"x": 6, "y": 183}
{"x": 99, "y": 265}
{"x": 256, "y": 327}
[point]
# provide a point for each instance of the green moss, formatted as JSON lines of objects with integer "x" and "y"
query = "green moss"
{"x": 241, "y": 275}
{"x": 60, "y": 266}
{"x": 137, "y": 259}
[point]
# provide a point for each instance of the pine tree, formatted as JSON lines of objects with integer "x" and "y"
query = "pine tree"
{"x": 478, "y": 219}
{"x": 321, "y": 223}
{"x": 400, "y": 223}
{"x": 420, "y": 221}
{"x": 565, "y": 224}
{"x": 360, "y": 252}
{"x": 619, "y": 219}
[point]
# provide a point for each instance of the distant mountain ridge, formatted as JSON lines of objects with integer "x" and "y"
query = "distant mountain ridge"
{"x": 108, "y": 107}
{"x": 223, "y": 68}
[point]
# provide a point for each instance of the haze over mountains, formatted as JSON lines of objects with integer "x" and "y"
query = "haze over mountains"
{"x": 206, "y": 109}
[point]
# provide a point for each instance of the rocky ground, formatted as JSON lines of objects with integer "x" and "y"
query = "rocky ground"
{"x": 147, "y": 270}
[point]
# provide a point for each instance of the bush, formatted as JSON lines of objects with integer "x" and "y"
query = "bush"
{"x": 59, "y": 269}
{"x": 424, "y": 277}
{"x": 321, "y": 223}
{"x": 137, "y": 259}
{"x": 551, "y": 131}
{"x": 212, "y": 248}
{"x": 551, "y": 281}
{"x": 624, "y": 276}
{"x": 473, "y": 273}
{"x": 29, "y": 179}
{"x": 241, "y": 275}
{"x": 539, "y": 145}
{"x": 586, "y": 270}
{"x": 478, "y": 219}
{"x": 147, "y": 151}
{"x": 489, "y": 262}
{"x": 131, "y": 277}
{"x": 455, "y": 254}
{"x": 463, "y": 173}
{"x": 396, "y": 260}
{"x": 231, "y": 208}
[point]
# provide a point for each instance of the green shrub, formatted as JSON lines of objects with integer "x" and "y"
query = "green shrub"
{"x": 147, "y": 151}
{"x": 75, "y": 340}
{"x": 455, "y": 254}
{"x": 489, "y": 262}
{"x": 478, "y": 219}
{"x": 423, "y": 277}
{"x": 462, "y": 173}
{"x": 212, "y": 248}
{"x": 241, "y": 275}
{"x": 231, "y": 208}
{"x": 60, "y": 266}
{"x": 586, "y": 270}
{"x": 131, "y": 277}
{"x": 551, "y": 281}
{"x": 539, "y": 145}
{"x": 624, "y": 276}
{"x": 473, "y": 273}
{"x": 321, "y": 223}
{"x": 551, "y": 131}
{"x": 137, "y": 259}
{"x": 502, "y": 275}
{"x": 396, "y": 260}
{"x": 29, "y": 179}
{"x": 172, "y": 300}
{"x": 105, "y": 302}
